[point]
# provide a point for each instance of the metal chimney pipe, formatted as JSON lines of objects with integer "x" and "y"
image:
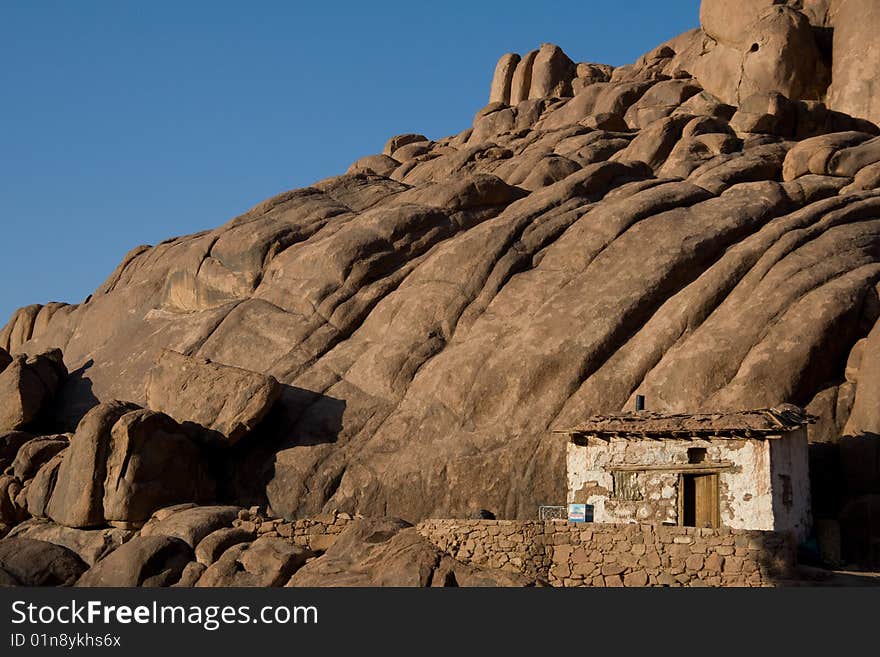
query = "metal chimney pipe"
{"x": 640, "y": 402}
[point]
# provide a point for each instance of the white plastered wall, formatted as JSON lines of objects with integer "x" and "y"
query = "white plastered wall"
{"x": 745, "y": 495}
{"x": 789, "y": 457}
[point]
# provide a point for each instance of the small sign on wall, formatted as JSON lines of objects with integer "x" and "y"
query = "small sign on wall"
{"x": 580, "y": 513}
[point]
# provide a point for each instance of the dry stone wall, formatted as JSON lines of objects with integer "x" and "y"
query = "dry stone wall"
{"x": 576, "y": 554}
{"x": 316, "y": 534}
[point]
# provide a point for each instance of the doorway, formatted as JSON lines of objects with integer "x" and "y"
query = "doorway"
{"x": 698, "y": 496}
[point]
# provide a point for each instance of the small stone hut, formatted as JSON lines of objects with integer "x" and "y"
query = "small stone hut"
{"x": 743, "y": 470}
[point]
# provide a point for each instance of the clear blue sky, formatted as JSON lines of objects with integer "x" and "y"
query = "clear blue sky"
{"x": 125, "y": 123}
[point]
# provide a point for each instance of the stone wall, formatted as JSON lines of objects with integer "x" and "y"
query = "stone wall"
{"x": 590, "y": 554}
{"x": 317, "y": 533}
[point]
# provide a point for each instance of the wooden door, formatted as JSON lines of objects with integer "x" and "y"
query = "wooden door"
{"x": 698, "y": 500}
{"x": 706, "y": 501}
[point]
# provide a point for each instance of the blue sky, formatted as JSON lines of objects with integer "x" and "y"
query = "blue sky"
{"x": 125, "y": 123}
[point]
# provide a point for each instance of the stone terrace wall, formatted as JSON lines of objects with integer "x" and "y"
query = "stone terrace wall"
{"x": 317, "y": 533}
{"x": 590, "y": 554}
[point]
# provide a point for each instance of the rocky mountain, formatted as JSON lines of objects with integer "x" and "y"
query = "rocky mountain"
{"x": 701, "y": 227}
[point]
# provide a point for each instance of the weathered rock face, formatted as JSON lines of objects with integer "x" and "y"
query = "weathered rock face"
{"x": 705, "y": 237}
{"x": 787, "y": 47}
{"x": 773, "y": 50}
{"x": 228, "y": 401}
{"x": 854, "y": 87}
{"x": 863, "y": 422}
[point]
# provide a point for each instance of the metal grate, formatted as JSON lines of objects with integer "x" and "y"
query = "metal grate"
{"x": 553, "y": 512}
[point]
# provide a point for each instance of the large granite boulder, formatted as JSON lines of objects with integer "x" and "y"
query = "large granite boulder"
{"x": 773, "y": 50}
{"x": 39, "y": 563}
{"x": 373, "y": 552}
{"x": 521, "y": 83}
{"x": 123, "y": 463}
{"x": 40, "y": 488}
{"x": 142, "y": 561}
{"x": 212, "y": 546}
{"x": 268, "y": 561}
{"x": 36, "y": 452}
{"x": 228, "y": 401}
{"x": 90, "y": 545}
{"x": 731, "y": 22}
{"x": 502, "y": 81}
{"x": 151, "y": 463}
{"x": 193, "y": 524}
{"x": 25, "y": 321}
{"x": 77, "y": 497}
{"x": 552, "y": 73}
{"x": 27, "y": 385}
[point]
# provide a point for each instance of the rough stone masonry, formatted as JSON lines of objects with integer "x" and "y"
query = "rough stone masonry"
{"x": 586, "y": 554}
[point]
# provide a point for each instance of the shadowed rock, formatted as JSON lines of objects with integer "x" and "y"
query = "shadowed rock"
{"x": 27, "y": 385}
{"x": 265, "y": 562}
{"x": 143, "y": 561}
{"x": 38, "y": 563}
{"x": 10, "y": 443}
{"x": 151, "y": 463}
{"x": 89, "y": 545}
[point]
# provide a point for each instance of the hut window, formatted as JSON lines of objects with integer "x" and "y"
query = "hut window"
{"x": 696, "y": 454}
{"x": 626, "y": 486}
